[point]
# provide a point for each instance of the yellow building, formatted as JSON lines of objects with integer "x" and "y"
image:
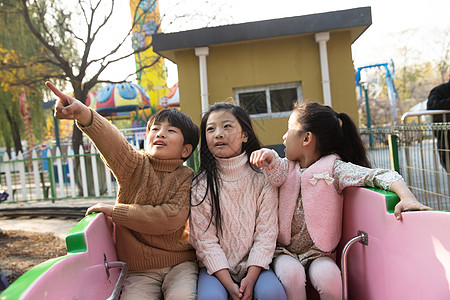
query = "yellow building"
{"x": 266, "y": 65}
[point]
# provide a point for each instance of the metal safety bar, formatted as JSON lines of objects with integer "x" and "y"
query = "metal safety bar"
{"x": 410, "y": 114}
{"x": 363, "y": 238}
{"x": 118, "y": 287}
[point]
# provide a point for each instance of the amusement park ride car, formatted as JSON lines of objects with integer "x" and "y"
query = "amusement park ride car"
{"x": 380, "y": 257}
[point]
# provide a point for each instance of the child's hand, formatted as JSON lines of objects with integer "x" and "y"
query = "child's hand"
{"x": 263, "y": 158}
{"x": 233, "y": 290}
{"x": 69, "y": 108}
{"x": 100, "y": 207}
{"x": 408, "y": 203}
{"x": 246, "y": 288}
{"x": 407, "y": 200}
{"x": 248, "y": 282}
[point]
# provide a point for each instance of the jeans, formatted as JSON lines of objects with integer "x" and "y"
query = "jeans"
{"x": 267, "y": 287}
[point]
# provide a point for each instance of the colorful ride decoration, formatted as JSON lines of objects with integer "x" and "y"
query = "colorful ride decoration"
{"x": 172, "y": 99}
{"x": 145, "y": 14}
{"x": 115, "y": 100}
{"x": 91, "y": 100}
{"x": 26, "y": 115}
{"x": 139, "y": 118}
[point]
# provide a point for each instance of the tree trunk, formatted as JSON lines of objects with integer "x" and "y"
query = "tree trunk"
{"x": 8, "y": 147}
{"x": 15, "y": 132}
{"x": 77, "y": 135}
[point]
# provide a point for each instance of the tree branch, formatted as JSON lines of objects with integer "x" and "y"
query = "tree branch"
{"x": 64, "y": 63}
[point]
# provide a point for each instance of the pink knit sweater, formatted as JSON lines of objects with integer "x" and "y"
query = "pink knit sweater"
{"x": 248, "y": 206}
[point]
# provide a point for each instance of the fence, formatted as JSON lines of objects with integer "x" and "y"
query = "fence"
{"x": 411, "y": 149}
{"x": 54, "y": 175}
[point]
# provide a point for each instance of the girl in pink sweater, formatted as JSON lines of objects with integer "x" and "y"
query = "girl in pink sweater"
{"x": 234, "y": 219}
{"x": 324, "y": 155}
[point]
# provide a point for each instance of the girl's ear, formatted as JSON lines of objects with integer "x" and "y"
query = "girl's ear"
{"x": 308, "y": 138}
{"x": 244, "y": 137}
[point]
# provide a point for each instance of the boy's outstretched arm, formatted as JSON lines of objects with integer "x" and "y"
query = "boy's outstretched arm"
{"x": 407, "y": 200}
{"x": 70, "y": 108}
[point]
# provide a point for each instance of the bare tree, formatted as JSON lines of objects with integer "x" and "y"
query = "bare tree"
{"x": 68, "y": 47}
{"x": 443, "y": 45}
{"x": 18, "y": 48}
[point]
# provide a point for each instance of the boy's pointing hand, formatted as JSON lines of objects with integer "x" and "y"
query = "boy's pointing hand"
{"x": 70, "y": 108}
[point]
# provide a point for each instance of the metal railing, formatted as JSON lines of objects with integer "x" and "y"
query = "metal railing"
{"x": 418, "y": 153}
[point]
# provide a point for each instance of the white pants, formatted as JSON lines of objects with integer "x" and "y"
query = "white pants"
{"x": 323, "y": 273}
{"x": 174, "y": 283}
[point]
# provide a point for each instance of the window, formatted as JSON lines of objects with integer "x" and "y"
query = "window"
{"x": 269, "y": 101}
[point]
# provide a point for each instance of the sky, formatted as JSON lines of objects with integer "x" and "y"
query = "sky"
{"x": 421, "y": 26}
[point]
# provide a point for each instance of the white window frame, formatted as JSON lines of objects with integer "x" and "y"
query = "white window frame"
{"x": 267, "y": 89}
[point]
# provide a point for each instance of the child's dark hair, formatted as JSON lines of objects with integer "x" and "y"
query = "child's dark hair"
{"x": 208, "y": 166}
{"x": 333, "y": 136}
{"x": 180, "y": 120}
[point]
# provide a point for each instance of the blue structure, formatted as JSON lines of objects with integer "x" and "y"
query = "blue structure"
{"x": 43, "y": 148}
{"x": 392, "y": 92}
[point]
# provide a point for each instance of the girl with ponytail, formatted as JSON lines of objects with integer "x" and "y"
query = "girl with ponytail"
{"x": 324, "y": 155}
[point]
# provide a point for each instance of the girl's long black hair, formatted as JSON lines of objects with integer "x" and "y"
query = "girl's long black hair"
{"x": 336, "y": 133}
{"x": 208, "y": 165}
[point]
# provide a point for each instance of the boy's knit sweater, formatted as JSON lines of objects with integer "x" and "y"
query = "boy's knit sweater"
{"x": 152, "y": 207}
{"x": 248, "y": 205}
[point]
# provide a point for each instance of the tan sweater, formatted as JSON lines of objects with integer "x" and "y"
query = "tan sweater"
{"x": 249, "y": 208}
{"x": 152, "y": 207}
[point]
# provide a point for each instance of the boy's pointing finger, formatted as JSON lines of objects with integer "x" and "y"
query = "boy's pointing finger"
{"x": 53, "y": 88}
{"x": 57, "y": 92}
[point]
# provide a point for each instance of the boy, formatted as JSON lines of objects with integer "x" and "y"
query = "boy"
{"x": 152, "y": 207}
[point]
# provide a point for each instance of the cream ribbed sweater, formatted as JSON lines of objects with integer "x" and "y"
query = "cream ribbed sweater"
{"x": 249, "y": 206}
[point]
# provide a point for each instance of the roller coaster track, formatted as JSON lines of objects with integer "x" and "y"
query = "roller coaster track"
{"x": 44, "y": 212}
